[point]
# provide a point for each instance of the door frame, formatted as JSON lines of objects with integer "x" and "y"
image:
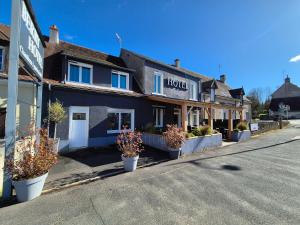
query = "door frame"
{"x": 84, "y": 109}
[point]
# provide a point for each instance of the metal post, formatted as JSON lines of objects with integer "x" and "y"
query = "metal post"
{"x": 39, "y": 96}
{"x": 12, "y": 95}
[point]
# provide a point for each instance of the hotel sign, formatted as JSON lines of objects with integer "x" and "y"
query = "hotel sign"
{"x": 31, "y": 46}
{"x": 175, "y": 83}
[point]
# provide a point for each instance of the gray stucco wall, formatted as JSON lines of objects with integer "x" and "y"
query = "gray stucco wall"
{"x": 151, "y": 68}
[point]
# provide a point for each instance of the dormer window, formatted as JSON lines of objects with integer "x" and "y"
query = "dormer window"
{"x": 212, "y": 95}
{"x": 120, "y": 80}
{"x": 80, "y": 72}
{"x": 1, "y": 58}
{"x": 158, "y": 83}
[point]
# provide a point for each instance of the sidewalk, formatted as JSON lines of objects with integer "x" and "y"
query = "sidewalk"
{"x": 91, "y": 164}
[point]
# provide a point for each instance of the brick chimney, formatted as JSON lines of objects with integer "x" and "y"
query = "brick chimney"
{"x": 54, "y": 35}
{"x": 223, "y": 78}
{"x": 177, "y": 63}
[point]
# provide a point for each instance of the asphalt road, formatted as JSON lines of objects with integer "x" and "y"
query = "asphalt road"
{"x": 258, "y": 186}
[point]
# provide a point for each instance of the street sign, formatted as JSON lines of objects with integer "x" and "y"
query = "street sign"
{"x": 254, "y": 126}
{"x": 31, "y": 45}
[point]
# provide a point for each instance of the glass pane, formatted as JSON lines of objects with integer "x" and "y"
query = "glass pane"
{"x": 158, "y": 117}
{"x": 113, "y": 121}
{"x": 158, "y": 84}
{"x": 114, "y": 80}
{"x": 79, "y": 116}
{"x": 74, "y": 73}
{"x": 123, "y": 79}
{"x": 126, "y": 120}
{"x": 86, "y": 75}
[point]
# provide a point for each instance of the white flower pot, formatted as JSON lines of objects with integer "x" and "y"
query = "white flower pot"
{"x": 130, "y": 163}
{"x": 29, "y": 189}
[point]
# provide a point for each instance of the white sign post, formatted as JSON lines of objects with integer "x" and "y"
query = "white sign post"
{"x": 25, "y": 42}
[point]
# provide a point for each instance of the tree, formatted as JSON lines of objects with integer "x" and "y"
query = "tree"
{"x": 56, "y": 114}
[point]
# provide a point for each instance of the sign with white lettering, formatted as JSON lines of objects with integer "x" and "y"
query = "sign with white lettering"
{"x": 31, "y": 47}
{"x": 254, "y": 126}
{"x": 174, "y": 83}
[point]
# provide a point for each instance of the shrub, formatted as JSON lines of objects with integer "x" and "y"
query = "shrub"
{"x": 174, "y": 136}
{"x": 34, "y": 156}
{"x": 242, "y": 126}
{"x": 56, "y": 114}
{"x": 205, "y": 130}
{"x": 130, "y": 143}
{"x": 189, "y": 135}
{"x": 196, "y": 132}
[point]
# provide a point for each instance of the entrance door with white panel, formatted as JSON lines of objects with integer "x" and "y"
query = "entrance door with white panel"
{"x": 79, "y": 127}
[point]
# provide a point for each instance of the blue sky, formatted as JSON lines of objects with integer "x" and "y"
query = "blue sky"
{"x": 253, "y": 40}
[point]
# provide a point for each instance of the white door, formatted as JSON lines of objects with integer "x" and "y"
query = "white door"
{"x": 79, "y": 127}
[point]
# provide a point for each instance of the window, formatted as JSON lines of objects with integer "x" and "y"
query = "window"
{"x": 193, "y": 90}
{"x": 212, "y": 94}
{"x": 1, "y": 58}
{"x": 119, "y": 119}
{"x": 79, "y": 116}
{"x": 158, "y": 114}
{"x": 80, "y": 73}
{"x": 157, "y": 83}
{"x": 120, "y": 80}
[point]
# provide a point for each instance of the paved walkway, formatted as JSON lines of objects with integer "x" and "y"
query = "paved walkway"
{"x": 255, "y": 182}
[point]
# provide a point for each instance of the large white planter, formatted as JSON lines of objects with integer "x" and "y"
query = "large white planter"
{"x": 130, "y": 163}
{"x": 27, "y": 190}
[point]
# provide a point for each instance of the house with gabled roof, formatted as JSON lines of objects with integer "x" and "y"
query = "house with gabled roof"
{"x": 288, "y": 94}
{"x": 102, "y": 94}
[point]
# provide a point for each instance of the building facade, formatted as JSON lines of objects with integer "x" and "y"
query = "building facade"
{"x": 102, "y": 94}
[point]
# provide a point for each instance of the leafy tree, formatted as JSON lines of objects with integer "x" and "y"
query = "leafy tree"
{"x": 57, "y": 114}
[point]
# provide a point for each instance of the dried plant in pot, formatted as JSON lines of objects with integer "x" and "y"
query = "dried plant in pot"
{"x": 29, "y": 165}
{"x": 174, "y": 138}
{"x": 130, "y": 144}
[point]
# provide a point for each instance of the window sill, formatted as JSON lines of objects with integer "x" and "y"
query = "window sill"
{"x": 117, "y": 131}
{"x": 159, "y": 94}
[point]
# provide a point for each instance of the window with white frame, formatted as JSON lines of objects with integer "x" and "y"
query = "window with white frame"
{"x": 120, "y": 80}
{"x": 158, "y": 114}
{"x": 158, "y": 83}
{"x": 120, "y": 119}
{"x": 80, "y": 72}
{"x": 212, "y": 94}
{"x": 193, "y": 90}
{"x": 1, "y": 58}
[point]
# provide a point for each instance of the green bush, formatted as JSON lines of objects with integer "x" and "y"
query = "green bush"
{"x": 189, "y": 135}
{"x": 196, "y": 132}
{"x": 206, "y": 130}
{"x": 242, "y": 126}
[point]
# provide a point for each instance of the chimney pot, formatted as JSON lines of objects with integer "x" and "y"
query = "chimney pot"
{"x": 223, "y": 78}
{"x": 54, "y": 35}
{"x": 177, "y": 63}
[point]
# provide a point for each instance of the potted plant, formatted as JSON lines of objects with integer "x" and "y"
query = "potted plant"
{"x": 29, "y": 166}
{"x": 241, "y": 132}
{"x": 130, "y": 144}
{"x": 174, "y": 138}
{"x": 56, "y": 113}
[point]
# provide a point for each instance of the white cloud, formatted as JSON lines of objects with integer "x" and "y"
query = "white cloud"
{"x": 295, "y": 59}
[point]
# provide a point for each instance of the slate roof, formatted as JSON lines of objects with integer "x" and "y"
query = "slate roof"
{"x": 223, "y": 89}
{"x": 4, "y": 32}
{"x": 287, "y": 90}
{"x": 76, "y": 51}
